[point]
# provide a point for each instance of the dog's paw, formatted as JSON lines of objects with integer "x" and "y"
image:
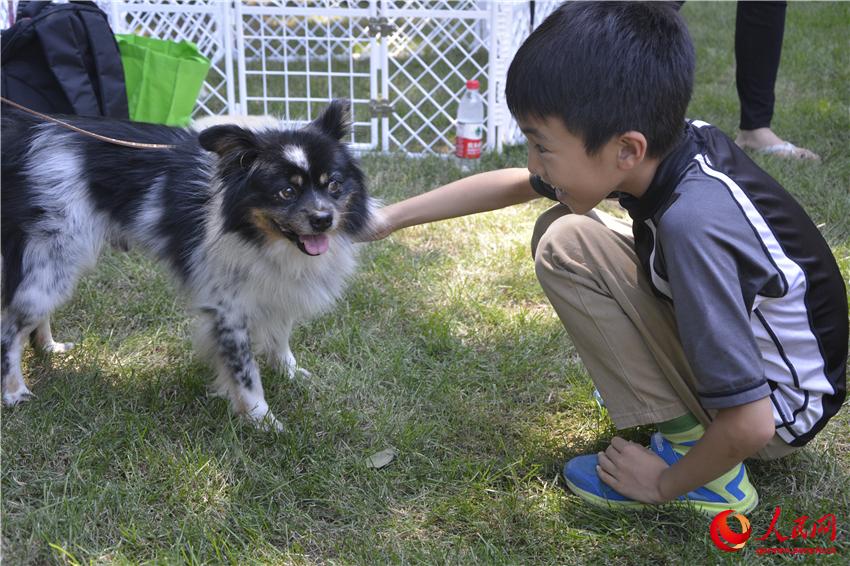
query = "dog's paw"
{"x": 271, "y": 424}
{"x": 287, "y": 365}
{"x": 56, "y": 347}
{"x": 17, "y": 397}
{"x": 299, "y": 372}
{"x": 266, "y": 422}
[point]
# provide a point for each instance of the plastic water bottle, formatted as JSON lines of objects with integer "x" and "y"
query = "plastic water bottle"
{"x": 470, "y": 126}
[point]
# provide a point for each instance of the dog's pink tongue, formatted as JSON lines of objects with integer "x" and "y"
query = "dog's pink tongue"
{"x": 315, "y": 245}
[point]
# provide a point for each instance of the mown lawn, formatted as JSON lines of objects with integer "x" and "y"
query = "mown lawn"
{"x": 444, "y": 349}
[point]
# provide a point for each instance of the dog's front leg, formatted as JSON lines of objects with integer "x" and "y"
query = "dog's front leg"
{"x": 238, "y": 374}
{"x": 283, "y": 359}
{"x": 286, "y": 362}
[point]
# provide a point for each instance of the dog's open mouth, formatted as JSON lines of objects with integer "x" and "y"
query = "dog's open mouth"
{"x": 310, "y": 244}
{"x": 314, "y": 244}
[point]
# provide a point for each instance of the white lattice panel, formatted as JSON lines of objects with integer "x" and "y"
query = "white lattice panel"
{"x": 518, "y": 21}
{"x": 6, "y": 17}
{"x": 296, "y": 56}
{"x": 434, "y": 48}
{"x": 305, "y": 28}
{"x": 402, "y": 63}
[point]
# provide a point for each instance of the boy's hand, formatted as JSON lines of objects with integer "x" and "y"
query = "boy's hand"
{"x": 632, "y": 470}
{"x": 379, "y": 227}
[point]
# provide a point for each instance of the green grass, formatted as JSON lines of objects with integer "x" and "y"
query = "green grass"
{"x": 444, "y": 348}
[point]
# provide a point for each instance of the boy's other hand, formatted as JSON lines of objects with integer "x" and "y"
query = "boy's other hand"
{"x": 632, "y": 470}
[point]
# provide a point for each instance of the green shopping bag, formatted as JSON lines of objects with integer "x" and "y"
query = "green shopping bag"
{"x": 163, "y": 78}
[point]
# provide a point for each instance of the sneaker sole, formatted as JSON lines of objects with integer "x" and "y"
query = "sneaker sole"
{"x": 707, "y": 508}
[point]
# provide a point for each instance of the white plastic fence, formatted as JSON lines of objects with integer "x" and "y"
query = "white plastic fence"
{"x": 402, "y": 63}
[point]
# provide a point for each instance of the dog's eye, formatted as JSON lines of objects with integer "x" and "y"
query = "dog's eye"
{"x": 334, "y": 187}
{"x": 287, "y": 194}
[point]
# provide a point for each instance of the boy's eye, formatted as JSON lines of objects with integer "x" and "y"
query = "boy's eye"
{"x": 287, "y": 194}
{"x": 541, "y": 149}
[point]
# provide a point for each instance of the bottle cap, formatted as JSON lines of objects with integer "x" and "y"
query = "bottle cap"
{"x": 472, "y": 84}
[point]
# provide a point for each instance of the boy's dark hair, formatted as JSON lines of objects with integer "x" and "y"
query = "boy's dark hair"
{"x": 606, "y": 68}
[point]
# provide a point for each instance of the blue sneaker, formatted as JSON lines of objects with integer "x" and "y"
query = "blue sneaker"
{"x": 732, "y": 490}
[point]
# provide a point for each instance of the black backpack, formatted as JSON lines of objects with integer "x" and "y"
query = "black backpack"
{"x": 63, "y": 59}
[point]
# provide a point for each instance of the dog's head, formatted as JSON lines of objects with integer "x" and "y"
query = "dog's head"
{"x": 299, "y": 185}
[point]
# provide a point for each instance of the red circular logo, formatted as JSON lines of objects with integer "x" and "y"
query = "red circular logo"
{"x": 725, "y": 538}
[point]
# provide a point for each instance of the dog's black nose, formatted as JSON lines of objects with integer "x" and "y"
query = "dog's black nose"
{"x": 321, "y": 221}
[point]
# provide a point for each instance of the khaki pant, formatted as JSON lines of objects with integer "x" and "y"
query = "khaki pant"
{"x": 625, "y": 335}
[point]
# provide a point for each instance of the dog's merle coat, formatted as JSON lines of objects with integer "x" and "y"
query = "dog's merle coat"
{"x": 257, "y": 226}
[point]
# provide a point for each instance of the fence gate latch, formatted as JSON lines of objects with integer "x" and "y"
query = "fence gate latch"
{"x": 380, "y": 27}
{"x": 381, "y": 107}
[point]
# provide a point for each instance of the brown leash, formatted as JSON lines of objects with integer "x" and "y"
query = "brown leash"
{"x": 137, "y": 145}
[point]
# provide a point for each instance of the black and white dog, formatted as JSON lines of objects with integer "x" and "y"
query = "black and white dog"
{"x": 256, "y": 224}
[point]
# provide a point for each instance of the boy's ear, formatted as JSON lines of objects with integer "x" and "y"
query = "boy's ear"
{"x": 229, "y": 140}
{"x": 631, "y": 150}
{"x": 335, "y": 120}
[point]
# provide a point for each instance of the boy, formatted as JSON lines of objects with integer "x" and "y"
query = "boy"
{"x": 721, "y": 317}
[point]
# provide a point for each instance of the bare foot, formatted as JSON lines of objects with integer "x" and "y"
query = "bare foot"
{"x": 763, "y": 140}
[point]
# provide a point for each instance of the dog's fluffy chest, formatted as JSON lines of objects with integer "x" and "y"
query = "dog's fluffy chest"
{"x": 277, "y": 283}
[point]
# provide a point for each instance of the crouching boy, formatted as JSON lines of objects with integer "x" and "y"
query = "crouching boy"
{"x": 720, "y": 316}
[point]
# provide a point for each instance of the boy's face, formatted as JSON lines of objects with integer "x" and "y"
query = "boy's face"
{"x": 581, "y": 181}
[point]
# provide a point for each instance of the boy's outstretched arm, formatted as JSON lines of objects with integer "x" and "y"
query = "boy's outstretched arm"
{"x": 478, "y": 193}
{"x": 735, "y": 434}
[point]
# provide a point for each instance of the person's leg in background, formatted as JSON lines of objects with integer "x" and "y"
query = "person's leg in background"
{"x": 759, "y": 30}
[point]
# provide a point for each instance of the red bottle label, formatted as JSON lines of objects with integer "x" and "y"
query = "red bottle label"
{"x": 468, "y": 149}
{"x": 468, "y": 141}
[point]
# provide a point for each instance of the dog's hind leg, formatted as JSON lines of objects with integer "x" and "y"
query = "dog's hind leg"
{"x": 27, "y": 315}
{"x": 238, "y": 376}
{"x": 12, "y": 336}
{"x": 50, "y": 268}
{"x": 42, "y": 339}
{"x": 14, "y": 389}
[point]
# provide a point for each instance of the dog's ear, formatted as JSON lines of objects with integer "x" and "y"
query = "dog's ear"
{"x": 229, "y": 141}
{"x": 335, "y": 120}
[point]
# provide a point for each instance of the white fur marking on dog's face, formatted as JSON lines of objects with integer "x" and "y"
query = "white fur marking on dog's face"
{"x": 296, "y": 156}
